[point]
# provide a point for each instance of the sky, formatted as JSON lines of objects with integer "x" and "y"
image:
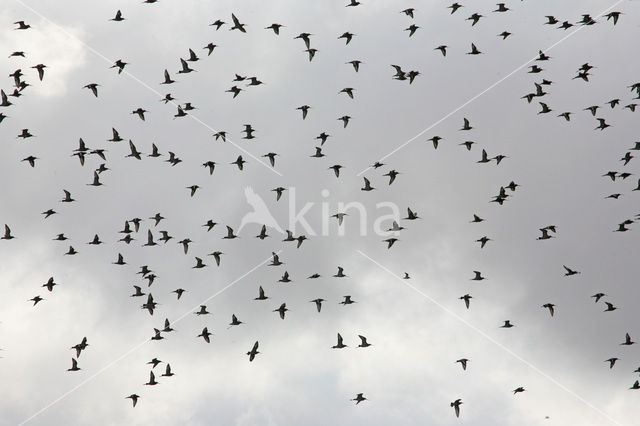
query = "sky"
{"x": 418, "y": 327}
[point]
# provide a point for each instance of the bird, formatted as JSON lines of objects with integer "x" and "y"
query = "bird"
{"x": 275, "y": 27}
{"x": 474, "y": 50}
{"x": 463, "y": 362}
{"x": 545, "y": 234}
{"x": 263, "y": 233}
{"x": 80, "y": 346}
{"x": 285, "y": 278}
{"x": 347, "y": 36}
{"x": 569, "y": 272}
{"x": 348, "y": 91}
{"x": 96, "y": 180}
{"x": 35, "y": 300}
{"x": 355, "y": 64}
{"x": 152, "y": 379}
{"x": 167, "y": 326}
{"x": 409, "y": 12}
{"x": 363, "y": 342}
{"x": 456, "y": 406}
{"x": 318, "y": 153}
{"x": 203, "y": 310}
{"x": 120, "y": 65}
{"x": 40, "y": 68}
{"x": 218, "y": 23}
{"x": 127, "y": 239}
{"x": 610, "y": 307}
{"x": 205, "y": 335}
{"x": 281, "y": 310}
{"x": 551, "y": 20}
{"x": 199, "y": 264}
{"x": 518, "y": 390}
{"x": 154, "y": 362}
{"x": 467, "y": 298}
{"x": 545, "y": 108}
{"x": 336, "y": 169}
{"x": 48, "y": 213}
{"x": 598, "y": 296}
{"x": 412, "y": 29}
{"x": 74, "y": 365}
{"x": 31, "y": 160}
{"x": 340, "y": 273}
{"x": 474, "y": 18}
{"x": 345, "y": 120}
{"x": 613, "y": 15}
{"x": 392, "y": 176}
{"x": 234, "y": 321}
{"x": 627, "y": 340}
{"x": 483, "y": 241}
{"x": 390, "y": 242}
{"x": 193, "y": 189}
{"x": 21, "y": 25}
{"x": 279, "y": 190}
{"x": 442, "y": 49}
{"x": 318, "y": 303}
{"x": 216, "y": 256}
{"x": 454, "y": 7}
{"x": 507, "y": 324}
{"x": 347, "y": 300}
{"x": 305, "y": 37}
{"x": 566, "y": 116}
{"x": 611, "y": 361}
{"x": 261, "y": 295}
{"x": 272, "y": 158}
{"x": 253, "y": 352}
{"x": 140, "y": 112}
{"x": 230, "y": 234}
{"x": 167, "y": 371}
{"x": 210, "y": 165}
{"x": 549, "y": 306}
{"x": 304, "y": 109}
{"x": 359, "y": 398}
{"x": 239, "y": 162}
{"x": 134, "y": 398}
{"x": 603, "y": 124}
{"x": 96, "y": 240}
{"x": 477, "y": 276}
{"x": 340, "y": 344}
{"x": 119, "y": 18}
{"x": 236, "y": 24}
{"x": 565, "y": 25}
{"x": 134, "y": 153}
{"x": 411, "y": 215}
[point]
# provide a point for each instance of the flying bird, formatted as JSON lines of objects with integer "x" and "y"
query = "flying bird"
{"x": 253, "y": 352}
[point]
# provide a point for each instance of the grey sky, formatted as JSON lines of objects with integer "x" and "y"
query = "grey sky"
{"x": 409, "y": 375}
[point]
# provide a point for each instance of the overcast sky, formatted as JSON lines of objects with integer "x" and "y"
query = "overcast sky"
{"x": 418, "y": 327}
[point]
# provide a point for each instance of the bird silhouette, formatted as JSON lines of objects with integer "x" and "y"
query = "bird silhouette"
{"x": 456, "y": 406}
{"x": 253, "y": 352}
{"x": 339, "y": 345}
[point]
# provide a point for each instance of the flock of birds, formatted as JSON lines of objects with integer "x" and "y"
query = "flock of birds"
{"x": 133, "y": 229}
